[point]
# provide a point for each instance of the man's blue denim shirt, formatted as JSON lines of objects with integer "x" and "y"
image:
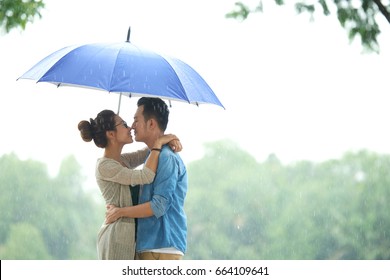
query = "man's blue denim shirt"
{"x": 168, "y": 227}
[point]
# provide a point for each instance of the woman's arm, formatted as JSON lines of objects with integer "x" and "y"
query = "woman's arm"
{"x": 137, "y": 158}
{"x": 152, "y": 161}
{"x": 113, "y": 171}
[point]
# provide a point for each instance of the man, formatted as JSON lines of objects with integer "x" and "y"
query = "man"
{"x": 162, "y": 229}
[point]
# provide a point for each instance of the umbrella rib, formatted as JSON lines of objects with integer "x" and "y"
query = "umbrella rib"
{"x": 114, "y": 67}
{"x": 180, "y": 83}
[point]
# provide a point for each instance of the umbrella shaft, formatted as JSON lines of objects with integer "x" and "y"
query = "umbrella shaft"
{"x": 119, "y": 104}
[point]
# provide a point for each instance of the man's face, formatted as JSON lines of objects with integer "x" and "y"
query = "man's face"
{"x": 139, "y": 125}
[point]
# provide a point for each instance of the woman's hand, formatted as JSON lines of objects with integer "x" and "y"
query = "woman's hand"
{"x": 170, "y": 139}
{"x": 175, "y": 145}
{"x": 112, "y": 213}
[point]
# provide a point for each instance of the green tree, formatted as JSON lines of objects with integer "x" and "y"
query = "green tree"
{"x": 25, "y": 242}
{"x": 369, "y": 196}
{"x": 219, "y": 207}
{"x": 64, "y": 215}
{"x": 17, "y": 13}
{"x": 79, "y": 210}
{"x": 359, "y": 18}
{"x": 21, "y": 185}
{"x": 242, "y": 209}
{"x": 237, "y": 208}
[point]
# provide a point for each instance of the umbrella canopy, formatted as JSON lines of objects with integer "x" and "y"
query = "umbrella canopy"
{"x": 126, "y": 69}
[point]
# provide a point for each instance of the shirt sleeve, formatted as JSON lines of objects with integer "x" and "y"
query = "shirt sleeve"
{"x": 164, "y": 183}
{"x": 113, "y": 171}
{"x": 136, "y": 158}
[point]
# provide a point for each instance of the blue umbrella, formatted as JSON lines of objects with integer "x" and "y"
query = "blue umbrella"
{"x": 126, "y": 69}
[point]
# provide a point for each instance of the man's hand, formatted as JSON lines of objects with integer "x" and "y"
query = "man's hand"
{"x": 112, "y": 213}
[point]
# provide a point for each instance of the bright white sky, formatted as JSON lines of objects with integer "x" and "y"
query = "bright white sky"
{"x": 290, "y": 86}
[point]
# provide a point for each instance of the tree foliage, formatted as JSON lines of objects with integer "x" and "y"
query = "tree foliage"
{"x": 25, "y": 242}
{"x": 17, "y": 13}
{"x": 241, "y": 209}
{"x": 44, "y": 217}
{"x": 237, "y": 208}
{"x": 359, "y": 18}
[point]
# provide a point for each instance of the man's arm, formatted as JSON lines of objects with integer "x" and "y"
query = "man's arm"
{"x": 113, "y": 213}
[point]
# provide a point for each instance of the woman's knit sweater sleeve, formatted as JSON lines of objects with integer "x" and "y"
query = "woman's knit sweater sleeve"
{"x": 136, "y": 158}
{"x": 113, "y": 171}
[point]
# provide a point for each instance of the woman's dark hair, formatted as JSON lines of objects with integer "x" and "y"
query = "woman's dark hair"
{"x": 95, "y": 129}
{"x": 155, "y": 108}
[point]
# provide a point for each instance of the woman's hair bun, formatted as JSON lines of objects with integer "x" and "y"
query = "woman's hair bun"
{"x": 86, "y": 130}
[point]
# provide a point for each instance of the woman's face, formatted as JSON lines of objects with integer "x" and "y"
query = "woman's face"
{"x": 123, "y": 131}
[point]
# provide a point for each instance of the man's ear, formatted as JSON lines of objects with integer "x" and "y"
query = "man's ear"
{"x": 151, "y": 123}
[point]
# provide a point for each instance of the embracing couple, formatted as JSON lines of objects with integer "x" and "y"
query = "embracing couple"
{"x": 160, "y": 232}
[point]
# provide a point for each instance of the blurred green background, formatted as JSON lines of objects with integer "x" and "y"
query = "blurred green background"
{"x": 237, "y": 208}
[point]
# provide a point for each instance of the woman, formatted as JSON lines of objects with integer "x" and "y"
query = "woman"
{"x": 115, "y": 172}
